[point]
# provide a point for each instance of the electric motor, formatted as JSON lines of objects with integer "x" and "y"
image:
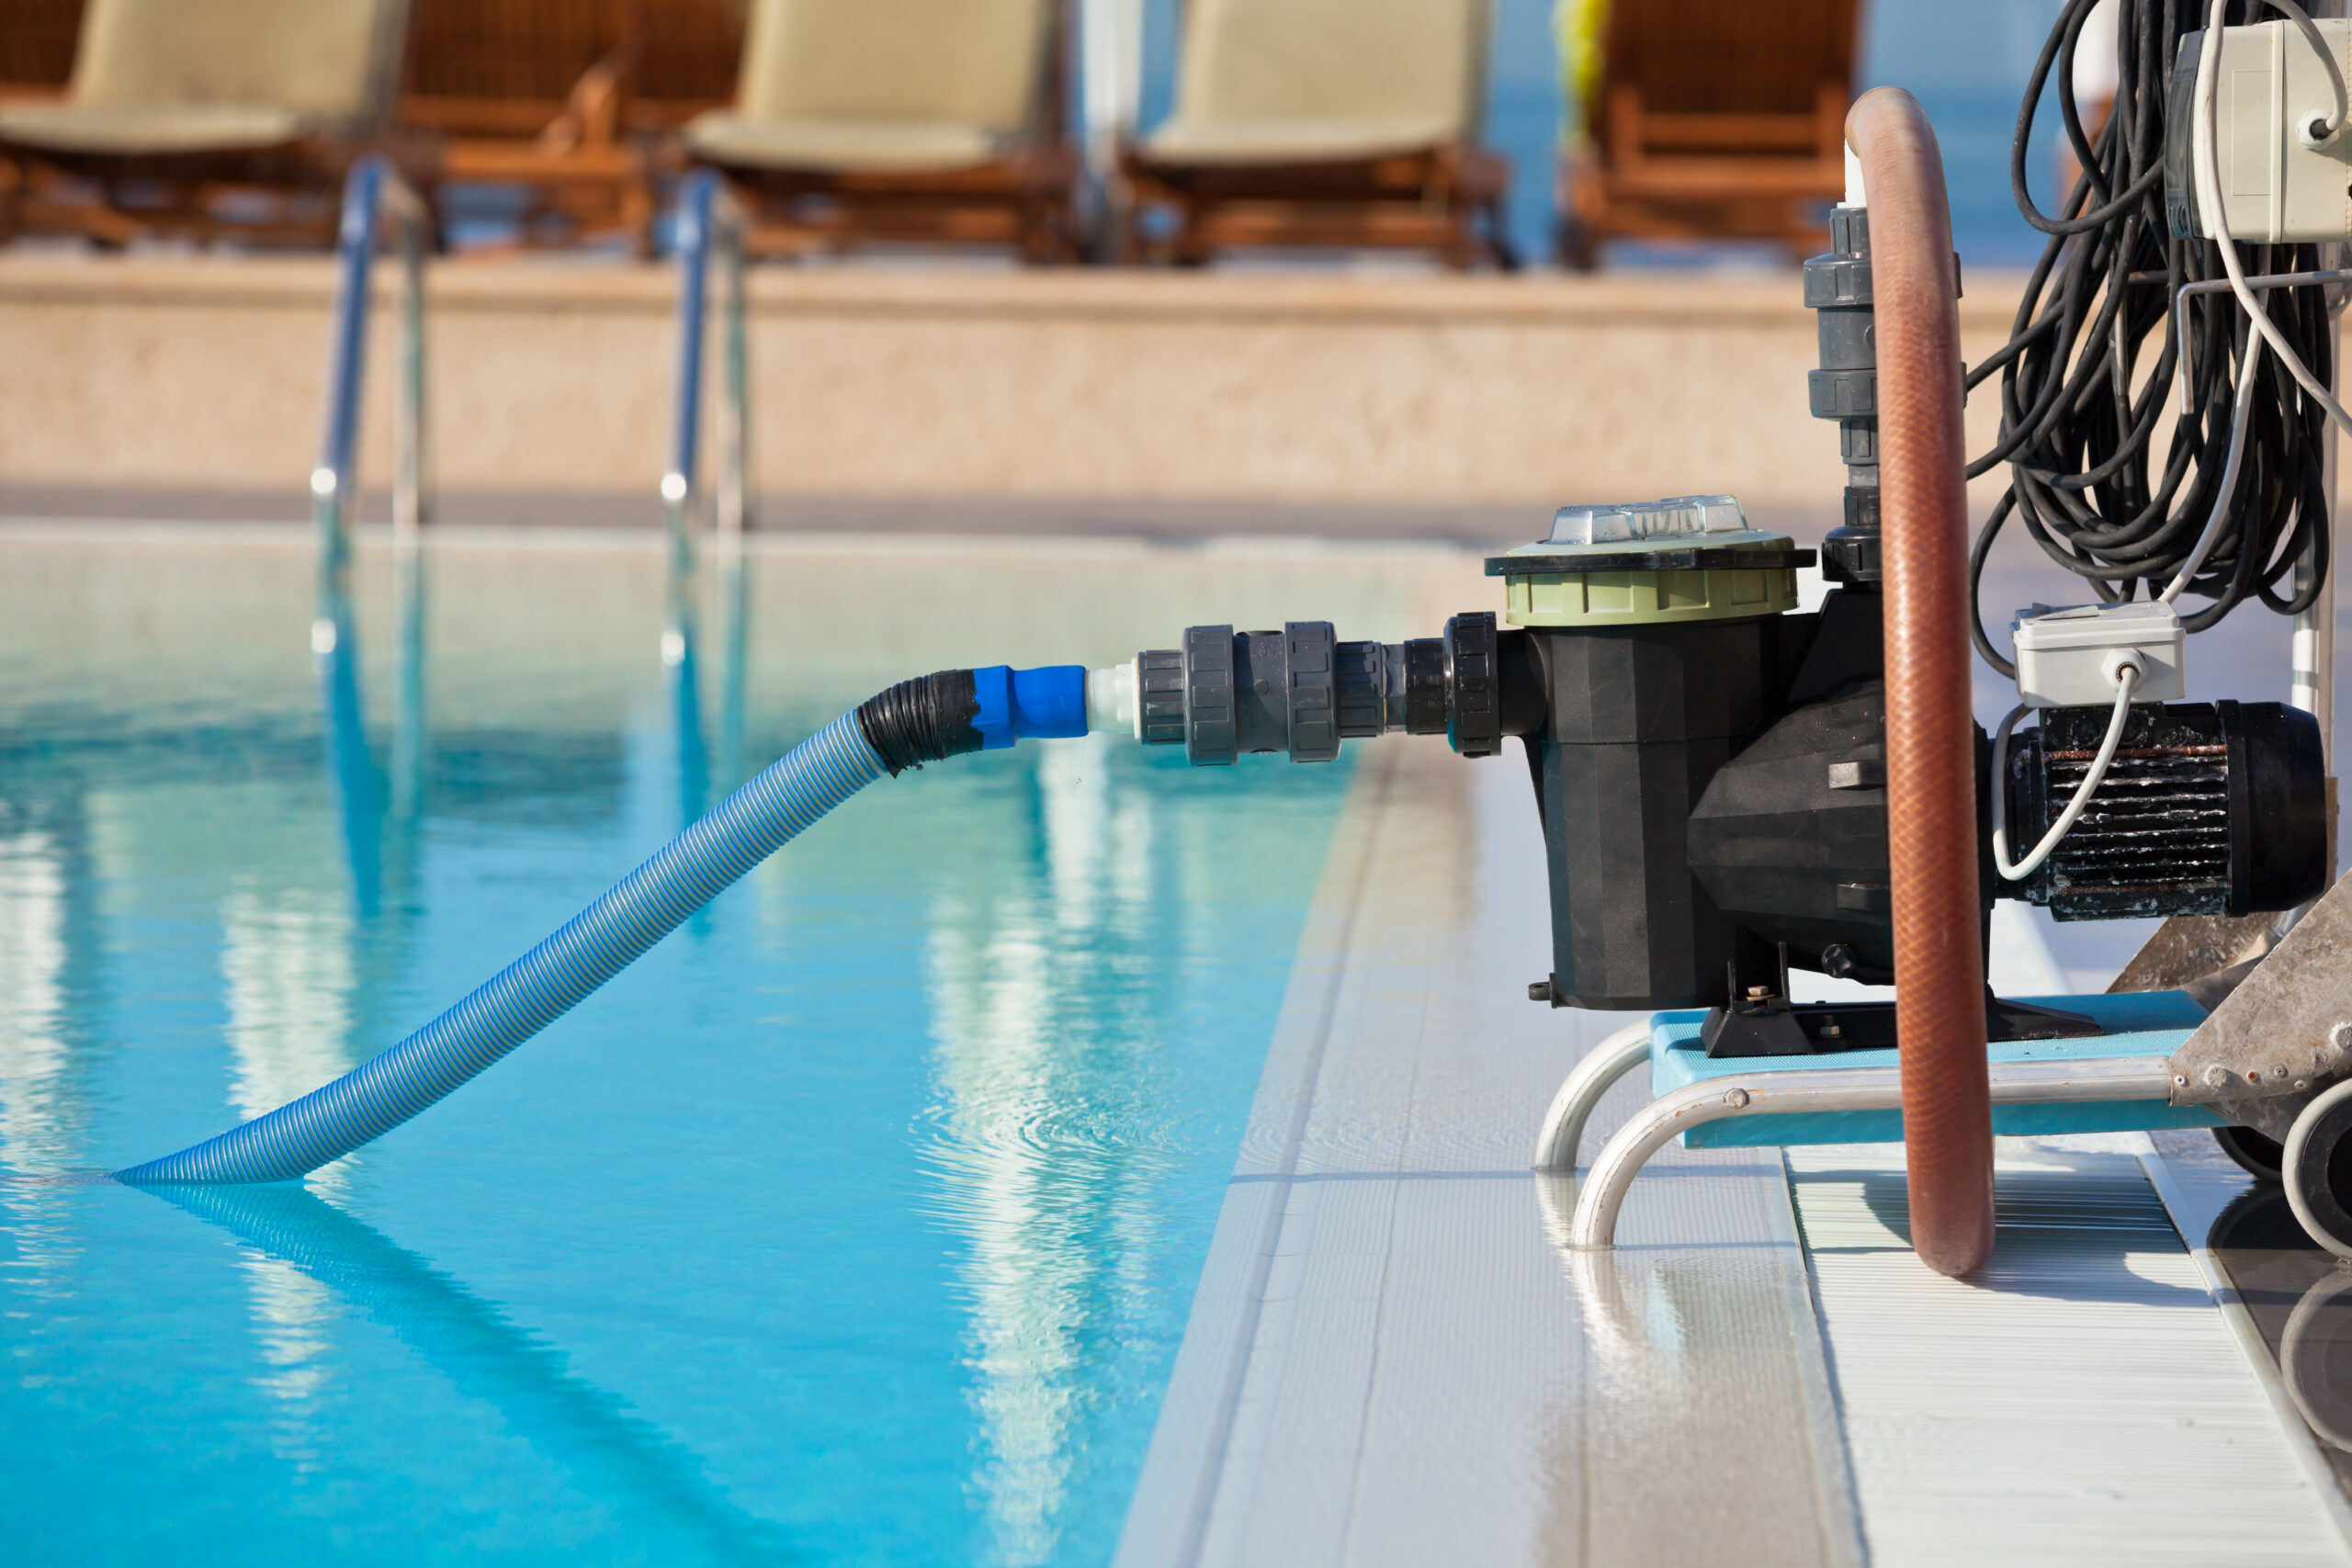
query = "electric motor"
{"x": 2208, "y": 809}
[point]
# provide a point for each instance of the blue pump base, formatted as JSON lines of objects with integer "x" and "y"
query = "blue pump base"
{"x": 2143, "y": 1023}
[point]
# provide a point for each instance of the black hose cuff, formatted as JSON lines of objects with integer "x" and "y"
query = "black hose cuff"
{"x": 921, "y": 720}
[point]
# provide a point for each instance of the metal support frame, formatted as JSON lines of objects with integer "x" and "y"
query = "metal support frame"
{"x": 1813, "y": 1090}
{"x": 2187, "y": 354}
{"x": 1580, "y": 1094}
{"x": 2312, "y": 651}
{"x": 373, "y": 193}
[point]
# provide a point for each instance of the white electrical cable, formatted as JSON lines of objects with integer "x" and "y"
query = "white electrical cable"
{"x": 2317, "y": 133}
{"x": 2127, "y": 676}
{"x": 2220, "y": 512}
{"x": 2206, "y": 134}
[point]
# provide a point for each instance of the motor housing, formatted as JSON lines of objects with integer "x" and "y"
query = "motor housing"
{"x": 2208, "y": 809}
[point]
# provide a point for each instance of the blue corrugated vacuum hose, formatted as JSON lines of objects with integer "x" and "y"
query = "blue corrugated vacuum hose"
{"x": 912, "y": 723}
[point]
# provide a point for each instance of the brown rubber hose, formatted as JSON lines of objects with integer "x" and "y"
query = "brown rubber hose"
{"x": 1931, "y": 732}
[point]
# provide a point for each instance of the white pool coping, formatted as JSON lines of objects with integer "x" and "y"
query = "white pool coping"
{"x": 2083, "y": 1399}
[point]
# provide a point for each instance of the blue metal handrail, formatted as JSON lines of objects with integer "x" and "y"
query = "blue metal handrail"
{"x": 710, "y": 222}
{"x": 373, "y": 192}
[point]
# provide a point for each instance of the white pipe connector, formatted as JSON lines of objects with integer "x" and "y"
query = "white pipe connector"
{"x": 1110, "y": 704}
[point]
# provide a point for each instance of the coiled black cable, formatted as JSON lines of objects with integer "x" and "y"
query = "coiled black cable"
{"x": 2080, "y": 418}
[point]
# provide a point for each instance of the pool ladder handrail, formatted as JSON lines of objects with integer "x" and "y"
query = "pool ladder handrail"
{"x": 710, "y": 221}
{"x": 373, "y": 193}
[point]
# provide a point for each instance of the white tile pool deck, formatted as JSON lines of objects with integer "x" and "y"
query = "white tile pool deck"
{"x": 1392, "y": 1359}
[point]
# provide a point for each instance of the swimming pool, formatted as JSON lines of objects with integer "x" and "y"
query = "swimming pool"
{"x": 858, "y": 1223}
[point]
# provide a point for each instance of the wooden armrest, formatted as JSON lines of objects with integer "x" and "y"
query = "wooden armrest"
{"x": 592, "y": 115}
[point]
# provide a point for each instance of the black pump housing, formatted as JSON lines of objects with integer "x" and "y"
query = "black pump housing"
{"x": 1635, "y": 724}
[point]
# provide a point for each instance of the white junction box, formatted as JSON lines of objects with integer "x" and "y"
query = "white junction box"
{"x": 2067, "y": 659}
{"x": 2269, "y": 85}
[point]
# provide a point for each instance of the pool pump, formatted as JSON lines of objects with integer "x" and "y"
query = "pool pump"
{"x": 1710, "y": 763}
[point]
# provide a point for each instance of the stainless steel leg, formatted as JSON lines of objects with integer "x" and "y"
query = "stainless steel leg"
{"x": 408, "y": 407}
{"x": 1812, "y": 1091}
{"x": 1588, "y": 1081}
{"x": 734, "y": 408}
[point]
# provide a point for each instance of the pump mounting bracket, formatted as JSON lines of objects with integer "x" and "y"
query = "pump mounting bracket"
{"x": 2284, "y": 1034}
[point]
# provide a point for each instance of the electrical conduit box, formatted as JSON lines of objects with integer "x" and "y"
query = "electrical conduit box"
{"x": 2269, "y": 86}
{"x": 2068, "y": 657}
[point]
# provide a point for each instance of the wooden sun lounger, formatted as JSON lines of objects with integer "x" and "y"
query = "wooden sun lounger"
{"x": 1347, "y": 123}
{"x": 564, "y": 98}
{"x": 206, "y": 118}
{"x": 1713, "y": 119}
{"x": 936, "y": 121}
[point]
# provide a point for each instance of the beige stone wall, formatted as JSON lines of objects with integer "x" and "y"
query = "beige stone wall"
{"x": 881, "y": 382}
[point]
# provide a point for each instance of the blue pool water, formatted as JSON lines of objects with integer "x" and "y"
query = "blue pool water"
{"x": 858, "y": 1223}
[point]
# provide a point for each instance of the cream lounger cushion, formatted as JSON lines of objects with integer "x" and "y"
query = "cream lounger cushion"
{"x": 842, "y": 145}
{"x": 1273, "y": 80}
{"x": 158, "y": 128}
{"x": 1298, "y": 141}
{"x": 200, "y": 76}
{"x": 883, "y": 84}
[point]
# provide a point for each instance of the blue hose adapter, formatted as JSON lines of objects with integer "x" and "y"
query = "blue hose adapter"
{"x": 923, "y": 720}
{"x": 1029, "y": 704}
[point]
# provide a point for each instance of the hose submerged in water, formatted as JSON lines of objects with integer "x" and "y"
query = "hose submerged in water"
{"x": 923, "y": 720}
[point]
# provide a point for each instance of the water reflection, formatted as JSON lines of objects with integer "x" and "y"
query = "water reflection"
{"x": 1040, "y": 1074}
{"x": 308, "y": 1248}
{"x": 291, "y": 1314}
{"x": 287, "y": 962}
{"x": 34, "y": 1059}
{"x": 734, "y": 648}
{"x": 351, "y": 770}
{"x": 44, "y": 1115}
{"x": 409, "y": 729}
{"x": 680, "y": 633}
{"x": 2300, "y": 1296}
{"x": 381, "y": 836}
{"x": 1695, "y": 1362}
{"x": 301, "y": 968}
